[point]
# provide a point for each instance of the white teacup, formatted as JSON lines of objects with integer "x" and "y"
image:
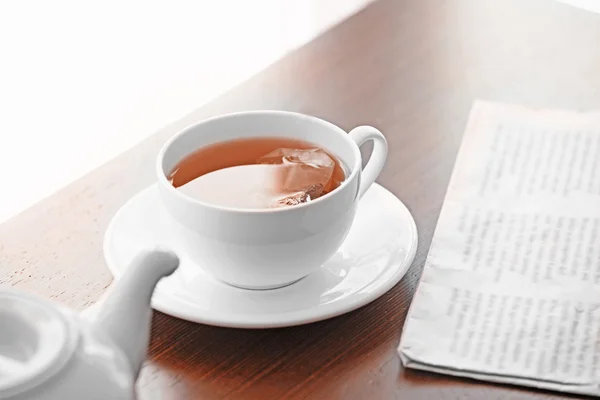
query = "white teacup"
{"x": 270, "y": 248}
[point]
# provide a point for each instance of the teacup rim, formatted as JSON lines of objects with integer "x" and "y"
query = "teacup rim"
{"x": 354, "y": 170}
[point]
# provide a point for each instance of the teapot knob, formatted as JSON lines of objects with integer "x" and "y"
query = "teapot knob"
{"x": 36, "y": 342}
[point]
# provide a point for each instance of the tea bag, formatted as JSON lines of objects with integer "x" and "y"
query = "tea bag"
{"x": 304, "y": 196}
{"x": 303, "y": 170}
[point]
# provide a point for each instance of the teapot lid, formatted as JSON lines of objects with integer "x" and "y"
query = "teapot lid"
{"x": 36, "y": 341}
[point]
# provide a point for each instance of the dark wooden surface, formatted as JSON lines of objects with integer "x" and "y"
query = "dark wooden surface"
{"x": 411, "y": 68}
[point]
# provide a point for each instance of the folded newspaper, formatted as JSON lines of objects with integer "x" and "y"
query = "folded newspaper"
{"x": 510, "y": 291}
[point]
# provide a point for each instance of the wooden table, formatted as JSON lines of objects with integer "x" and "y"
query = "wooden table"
{"x": 411, "y": 68}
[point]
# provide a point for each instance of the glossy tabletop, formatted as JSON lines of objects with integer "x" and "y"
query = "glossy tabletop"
{"x": 412, "y": 68}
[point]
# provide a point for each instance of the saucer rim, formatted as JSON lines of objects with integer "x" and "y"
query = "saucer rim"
{"x": 265, "y": 321}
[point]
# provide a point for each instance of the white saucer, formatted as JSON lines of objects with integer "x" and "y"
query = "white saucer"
{"x": 375, "y": 256}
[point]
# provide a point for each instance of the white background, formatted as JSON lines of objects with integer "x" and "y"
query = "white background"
{"x": 82, "y": 81}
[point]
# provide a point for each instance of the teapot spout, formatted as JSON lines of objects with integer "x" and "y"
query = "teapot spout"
{"x": 125, "y": 314}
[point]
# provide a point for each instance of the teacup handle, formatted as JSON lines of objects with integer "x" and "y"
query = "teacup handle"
{"x": 375, "y": 164}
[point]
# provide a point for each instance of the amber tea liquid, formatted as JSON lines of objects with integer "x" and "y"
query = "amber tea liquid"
{"x": 260, "y": 172}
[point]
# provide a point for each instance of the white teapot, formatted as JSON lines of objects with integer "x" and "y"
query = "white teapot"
{"x": 48, "y": 353}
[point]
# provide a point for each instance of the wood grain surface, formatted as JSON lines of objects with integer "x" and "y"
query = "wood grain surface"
{"x": 411, "y": 68}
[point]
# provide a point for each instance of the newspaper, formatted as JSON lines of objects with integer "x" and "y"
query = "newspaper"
{"x": 510, "y": 291}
